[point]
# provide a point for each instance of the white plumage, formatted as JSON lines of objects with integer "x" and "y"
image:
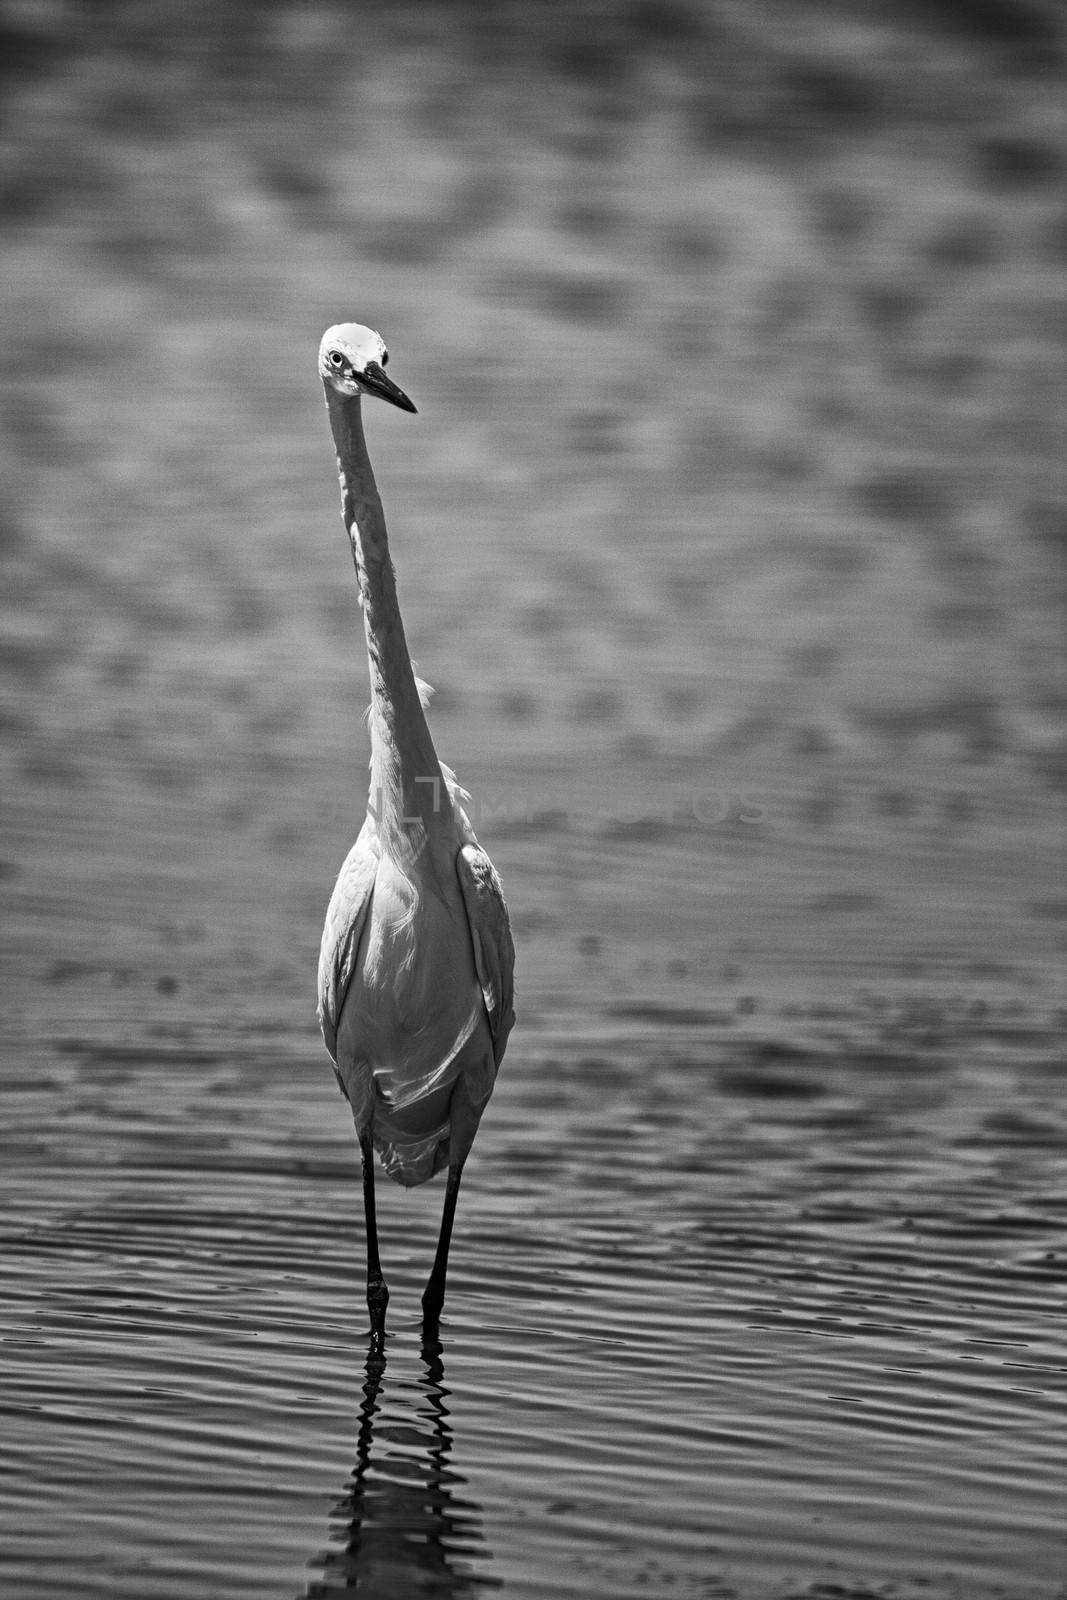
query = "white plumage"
{"x": 416, "y": 965}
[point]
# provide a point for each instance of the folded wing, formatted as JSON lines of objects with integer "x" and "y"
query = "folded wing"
{"x": 490, "y": 929}
{"x": 346, "y": 918}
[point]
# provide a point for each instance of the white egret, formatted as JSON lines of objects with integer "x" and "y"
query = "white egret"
{"x": 416, "y": 965}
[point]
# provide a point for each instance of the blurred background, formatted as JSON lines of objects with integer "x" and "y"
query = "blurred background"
{"x": 730, "y": 531}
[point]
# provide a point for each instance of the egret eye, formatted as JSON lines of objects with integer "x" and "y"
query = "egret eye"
{"x": 385, "y": 358}
{"x": 336, "y": 358}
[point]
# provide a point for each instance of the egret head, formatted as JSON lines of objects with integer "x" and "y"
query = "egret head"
{"x": 352, "y": 361}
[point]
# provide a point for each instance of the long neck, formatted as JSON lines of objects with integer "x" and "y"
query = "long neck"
{"x": 407, "y": 792}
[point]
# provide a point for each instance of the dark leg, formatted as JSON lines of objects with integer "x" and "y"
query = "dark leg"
{"x": 434, "y": 1297}
{"x": 377, "y": 1293}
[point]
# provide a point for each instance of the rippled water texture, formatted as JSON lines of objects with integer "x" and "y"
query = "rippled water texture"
{"x": 744, "y": 1302}
{"x": 729, "y": 531}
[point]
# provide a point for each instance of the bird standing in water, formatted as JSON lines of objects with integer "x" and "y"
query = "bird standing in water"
{"x": 416, "y": 965}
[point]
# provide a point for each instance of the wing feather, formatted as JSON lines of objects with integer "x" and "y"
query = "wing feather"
{"x": 490, "y": 929}
{"x": 345, "y": 921}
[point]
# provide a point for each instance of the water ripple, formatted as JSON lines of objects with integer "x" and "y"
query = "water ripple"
{"x": 695, "y": 1339}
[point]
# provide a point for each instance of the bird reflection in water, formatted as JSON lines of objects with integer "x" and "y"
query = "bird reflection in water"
{"x": 401, "y": 1528}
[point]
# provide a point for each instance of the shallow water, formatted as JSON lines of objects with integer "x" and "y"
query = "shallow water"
{"x": 757, "y": 1287}
{"x": 751, "y": 1295}
{"x": 730, "y": 532}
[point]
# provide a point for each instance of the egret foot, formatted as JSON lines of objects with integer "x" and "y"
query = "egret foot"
{"x": 432, "y": 1303}
{"x": 377, "y": 1300}
{"x": 377, "y": 1293}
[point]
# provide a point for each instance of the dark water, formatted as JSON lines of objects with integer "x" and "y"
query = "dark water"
{"x": 758, "y": 1286}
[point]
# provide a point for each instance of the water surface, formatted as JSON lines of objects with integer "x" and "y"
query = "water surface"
{"x": 730, "y": 530}
{"x": 754, "y": 1300}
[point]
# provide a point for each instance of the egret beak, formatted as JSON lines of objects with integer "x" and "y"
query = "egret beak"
{"x": 374, "y": 380}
